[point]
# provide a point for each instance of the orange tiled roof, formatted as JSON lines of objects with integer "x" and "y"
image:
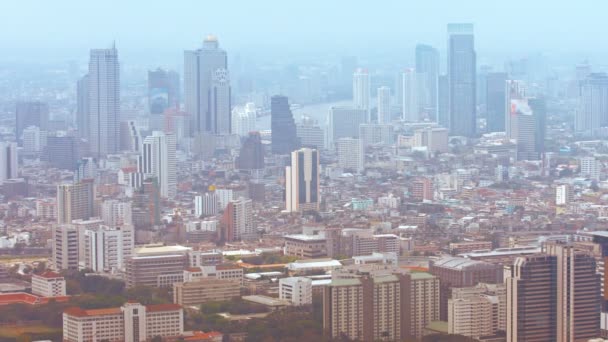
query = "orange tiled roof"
{"x": 163, "y": 307}
{"x": 27, "y": 298}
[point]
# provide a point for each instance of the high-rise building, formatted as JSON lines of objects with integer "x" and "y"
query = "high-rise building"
{"x": 251, "y": 155}
{"x": 75, "y": 201}
{"x": 104, "y": 101}
{"x": 30, "y": 114}
{"x": 82, "y": 107}
{"x": 462, "y": 80}
{"x": 427, "y": 68}
{"x": 422, "y": 189}
{"x": 9, "y": 162}
{"x": 116, "y": 213}
{"x": 553, "y": 296}
{"x": 435, "y": 139}
{"x": 384, "y": 105}
{"x": 158, "y": 160}
{"x": 302, "y": 181}
{"x": 563, "y": 194}
{"x": 162, "y": 93}
{"x": 523, "y": 129}
{"x": 495, "y": 101}
{"x": 243, "y": 119}
{"x": 34, "y": 140}
{"x": 443, "y": 101}
{"x": 362, "y": 91}
{"x": 514, "y": 90}
{"x": 350, "y": 154}
{"x": 297, "y": 290}
{"x": 65, "y": 247}
{"x": 409, "y": 106}
{"x": 310, "y": 133}
{"x": 206, "y": 204}
{"x": 207, "y": 88}
{"x": 106, "y": 249}
{"x": 283, "y": 126}
{"x": 344, "y": 122}
{"x": 592, "y": 113}
{"x": 237, "y": 221}
{"x": 590, "y": 168}
{"x": 375, "y": 134}
{"x": 478, "y": 311}
{"x": 62, "y": 151}
{"x": 539, "y": 108}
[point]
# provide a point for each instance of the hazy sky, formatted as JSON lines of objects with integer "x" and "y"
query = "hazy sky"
{"x": 35, "y": 30}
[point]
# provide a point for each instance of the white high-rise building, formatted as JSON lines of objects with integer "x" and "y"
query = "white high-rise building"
{"x": 362, "y": 91}
{"x": 206, "y": 76}
{"x": 514, "y": 90}
{"x": 243, "y": 119}
{"x": 410, "y": 97}
{"x": 297, "y": 290}
{"x": 104, "y": 102}
{"x": 590, "y": 168}
{"x": 34, "y": 140}
{"x": 65, "y": 247}
{"x": 302, "y": 181}
{"x": 592, "y": 113}
{"x": 237, "y": 221}
{"x": 310, "y": 133}
{"x": 384, "y": 105}
{"x": 350, "y": 154}
{"x": 107, "y": 248}
{"x": 9, "y": 166}
{"x": 116, "y": 213}
{"x": 206, "y": 204}
{"x": 75, "y": 201}
{"x": 563, "y": 194}
{"x": 158, "y": 160}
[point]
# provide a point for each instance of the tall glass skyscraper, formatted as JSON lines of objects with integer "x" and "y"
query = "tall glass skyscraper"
{"x": 462, "y": 79}
{"x": 283, "y": 126}
{"x": 427, "y": 68}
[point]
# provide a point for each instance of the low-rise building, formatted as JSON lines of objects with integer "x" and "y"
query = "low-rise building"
{"x": 297, "y": 290}
{"x": 306, "y": 246}
{"x": 204, "y": 290}
{"x": 48, "y": 284}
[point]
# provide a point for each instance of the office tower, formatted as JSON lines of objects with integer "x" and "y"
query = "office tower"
{"x": 302, "y": 181}
{"x": 30, "y": 114}
{"x": 86, "y": 168}
{"x": 9, "y": 162}
{"x": 590, "y": 168}
{"x": 130, "y": 137}
{"x": 237, "y": 221}
{"x": 539, "y": 108}
{"x": 158, "y": 161}
{"x": 592, "y": 113}
{"x": 435, "y": 139}
{"x": 156, "y": 266}
{"x": 427, "y": 68}
{"x": 553, "y": 296}
{"x": 146, "y": 205}
{"x": 523, "y": 129}
{"x": 82, "y": 106}
{"x": 515, "y": 91}
{"x": 461, "y": 80}
{"x": 422, "y": 189}
{"x": 375, "y": 134}
{"x": 62, "y": 152}
{"x": 243, "y": 119}
{"x": 461, "y": 272}
{"x": 207, "y": 88}
{"x": 206, "y": 204}
{"x": 309, "y": 132}
{"x": 443, "y": 101}
{"x": 384, "y": 105}
{"x": 34, "y": 140}
{"x": 495, "y": 101}
{"x": 224, "y": 196}
{"x": 350, "y": 154}
{"x": 162, "y": 93}
{"x": 116, "y": 213}
{"x": 376, "y": 304}
{"x": 344, "y": 122}
{"x": 478, "y": 311}
{"x": 409, "y": 106}
{"x": 106, "y": 248}
{"x": 65, "y": 247}
{"x": 75, "y": 201}
{"x": 104, "y": 101}
{"x": 251, "y": 155}
{"x": 283, "y": 127}
{"x": 362, "y": 91}
{"x": 563, "y": 194}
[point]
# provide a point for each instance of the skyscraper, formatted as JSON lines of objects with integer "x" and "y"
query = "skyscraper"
{"x": 104, "y": 101}
{"x": 427, "y": 68}
{"x": 243, "y": 119}
{"x": 410, "y": 111}
{"x": 237, "y": 221}
{"x": 302, "y": 181}
{"x": 207, "y": 88}
{"x": 162, "y": 93}
{"x": 350, "y": 154}
{"x": 283, "y": 126}
{"x": 75, "y": 201}
{"x": 462, "y": 79}
{"x": 9, "y": 166}
{"x": 158, "y": 160}
{"x": 443, "y": 101}
{"x": 28, "y": 114}
{"x": 495, "y": 101}
{"x": 344, "y": 122}
{"x": 361, "y": 90}
{"x": 384, "y": 105}
{"x": 251, "y": 155}
{"x": 592, "y": 113}
{"x": 82, "y": 107}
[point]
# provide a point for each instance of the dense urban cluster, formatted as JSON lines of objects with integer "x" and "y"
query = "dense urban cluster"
{"x": 348, "y": 203}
